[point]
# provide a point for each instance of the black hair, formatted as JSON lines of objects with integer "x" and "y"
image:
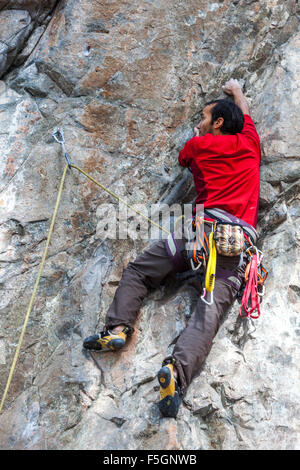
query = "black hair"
{"x": 230, "y": 112}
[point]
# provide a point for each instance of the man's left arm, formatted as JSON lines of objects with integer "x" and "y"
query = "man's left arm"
{"x": 187, "y": 153}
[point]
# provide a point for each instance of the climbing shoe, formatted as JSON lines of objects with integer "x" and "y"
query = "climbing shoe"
{"x": 106, "y": 341}
{"x": 169, "y": 392}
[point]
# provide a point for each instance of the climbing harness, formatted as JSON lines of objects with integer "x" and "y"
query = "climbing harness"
{"x": 229, "y": 236}
{"x": 224, "y": 217}
{"x": 59, "y": 137}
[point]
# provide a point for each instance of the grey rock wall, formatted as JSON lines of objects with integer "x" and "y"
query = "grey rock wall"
{"x": 126, "y": 82}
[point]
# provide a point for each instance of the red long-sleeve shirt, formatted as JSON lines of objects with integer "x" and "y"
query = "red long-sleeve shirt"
{"x": 226, "y": 171}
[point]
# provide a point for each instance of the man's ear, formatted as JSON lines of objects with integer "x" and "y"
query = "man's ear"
{"x": 218, "y": 123}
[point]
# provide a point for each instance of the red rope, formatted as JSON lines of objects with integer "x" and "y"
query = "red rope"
{"x": 251, "y": 290}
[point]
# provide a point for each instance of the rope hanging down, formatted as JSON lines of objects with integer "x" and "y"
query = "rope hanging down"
{"x": 34, "y": 289}
{"x": 59, "y": 139}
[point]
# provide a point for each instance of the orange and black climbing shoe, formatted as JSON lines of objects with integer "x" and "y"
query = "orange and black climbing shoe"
{"x": 169, "y": 392}
{"x": 107, "y": 340}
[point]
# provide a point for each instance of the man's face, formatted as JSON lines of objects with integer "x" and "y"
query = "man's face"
{"x": 205, "y": 126}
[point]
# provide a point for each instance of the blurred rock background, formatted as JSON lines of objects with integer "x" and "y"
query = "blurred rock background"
{"x": 126, "y": 81}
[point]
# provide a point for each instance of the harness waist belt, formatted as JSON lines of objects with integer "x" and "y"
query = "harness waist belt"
{"x": 222, "y": 216}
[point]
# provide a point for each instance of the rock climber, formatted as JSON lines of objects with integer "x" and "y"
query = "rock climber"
{"x": 224, "y": 157}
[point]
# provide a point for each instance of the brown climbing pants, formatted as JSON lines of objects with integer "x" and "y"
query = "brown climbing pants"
{"x": 194, "y": 343}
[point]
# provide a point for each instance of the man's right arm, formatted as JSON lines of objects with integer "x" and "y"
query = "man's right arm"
{"x": 233, "y": 88}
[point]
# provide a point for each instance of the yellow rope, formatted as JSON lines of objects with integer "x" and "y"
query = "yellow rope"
{"x": 34, "y": 289}
{"x": 44, "y": 259}
{"x": 120, "y": 199}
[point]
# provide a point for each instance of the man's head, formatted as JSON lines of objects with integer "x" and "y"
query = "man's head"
{"x": 220, "y": 117}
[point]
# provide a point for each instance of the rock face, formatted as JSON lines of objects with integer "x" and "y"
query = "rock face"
{"x": 126, "y": 80}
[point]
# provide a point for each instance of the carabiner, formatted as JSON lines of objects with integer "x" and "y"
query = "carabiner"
{"x": 59, "y": 137}
{"x": 211, "y": 297}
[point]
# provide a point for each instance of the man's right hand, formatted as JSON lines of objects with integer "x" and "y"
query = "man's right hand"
{"x": 231, "y": 87}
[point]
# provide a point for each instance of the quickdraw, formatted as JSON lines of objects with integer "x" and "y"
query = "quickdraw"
{"x": 198, "y": 254}
{"x": 60, "y": 138}
{"x": 255, "y": 276}
{"x": 210, "y": 275}
{"x": 202, "y": 252}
